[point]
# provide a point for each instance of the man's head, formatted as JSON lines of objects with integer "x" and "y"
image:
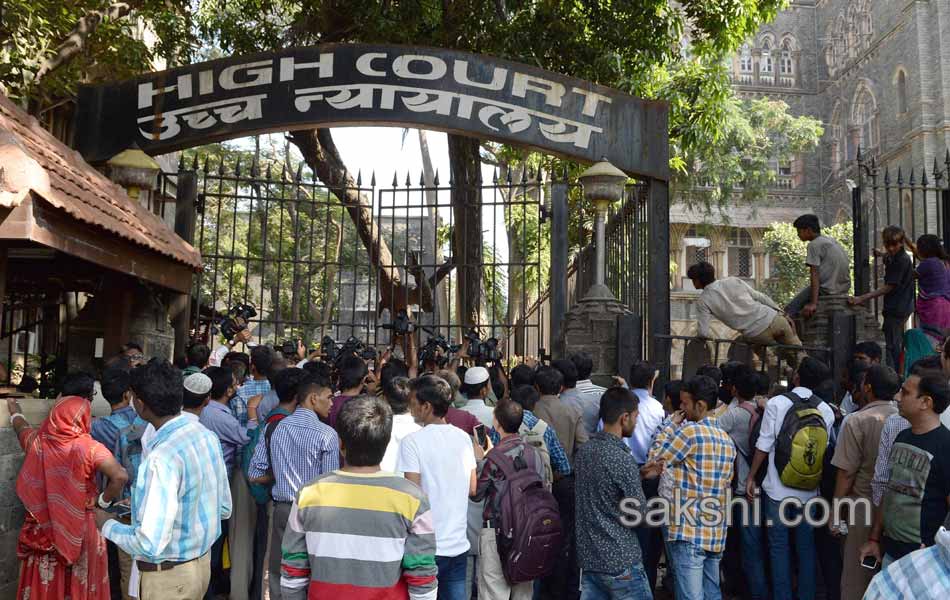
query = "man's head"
{"x": 808, "y": 226}
{"x": 286, "y": 384}
{"x": 568, "y": 372}
{"x": 642, "y": 375}
{"x": 319, "y": 368}
{"x": 745, "y": 382}
{"x": 397, "y": 391}
{"x": 763, "y": 384}
{"x": 700, "y": 395}
{"x": 451, "y": 378}
{"x": 314, "y": 391}
{"x": 223, "y": 383}
{"x": 857, "y": 374}
{"x": 392, "y": 369}
{"x": 811, "y": 373}
{"x": 508, "y": 416}
{"x": 158, "y": 388}
{"x": 262, "y": 360}
{"x": 925, "y": 364}
{"x": 869, "y": 352}
{"x": 525, "y": 395}
{"x": 117, "y": 385}
{"x": 618, "y": 406}
{"x": 79, "y": 383}
{"x": 365, "y": 424}
{"x": 524, "y": 375}
{"x": 352, "y": 372}
{"x": 671, "y": 395}
{"x": 710, "y": 371}
{"x": 549, "y": 381}
{"x": 134, "y": 353}
{"x": 924, "y": 396}
{"x": 881, "y": 383}
{"x": 476, "y": 383}
{"x": 197, "y": 355}
{"x": 584, "y": 364}
{"x": 197, "y": 390}
{"x": 430, "y": 399}
{"x": 702, "y": 274}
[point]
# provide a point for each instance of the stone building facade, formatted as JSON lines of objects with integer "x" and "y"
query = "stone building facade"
{"x": 877, "y": 75}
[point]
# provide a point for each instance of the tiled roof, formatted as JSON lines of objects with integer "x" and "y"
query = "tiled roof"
{"x": 33, "y": 161}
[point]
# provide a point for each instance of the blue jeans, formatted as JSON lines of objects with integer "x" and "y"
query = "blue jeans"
{"x": 697, "y": 572}
{"x": 452, "y": 577}
{"x": 752, "y": 563}
{"x": 632, "y": 584}
{"x": 781, "y": 560}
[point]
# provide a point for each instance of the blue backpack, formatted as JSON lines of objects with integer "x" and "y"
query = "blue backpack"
{"x": 261, "y": 493}
{"x": 128, "y": 451}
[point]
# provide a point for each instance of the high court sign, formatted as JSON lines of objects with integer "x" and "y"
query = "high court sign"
{"x": 374, "y": 85}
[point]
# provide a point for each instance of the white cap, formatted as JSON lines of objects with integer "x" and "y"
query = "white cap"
{"x": 198, "y": 383}
{"x": 476, "y": 375}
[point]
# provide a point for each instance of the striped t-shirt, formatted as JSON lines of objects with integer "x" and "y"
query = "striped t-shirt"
{"x": 359, "y": 537}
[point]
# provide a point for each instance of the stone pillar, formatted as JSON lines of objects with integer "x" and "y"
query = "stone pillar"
{"x": 591, "y": 326}
{"x": 717, "y": 250}
{"x": 677, "y": 233}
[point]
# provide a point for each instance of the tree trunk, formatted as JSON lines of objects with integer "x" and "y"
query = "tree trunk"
{"x": 329, "y": 299}
{"x": 440, "y": 296}
{"x": 465, "y": 162}
{"x": 321, "y": 154}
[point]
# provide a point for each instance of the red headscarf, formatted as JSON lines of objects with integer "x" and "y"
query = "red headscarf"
{"x": 55, "y": 483}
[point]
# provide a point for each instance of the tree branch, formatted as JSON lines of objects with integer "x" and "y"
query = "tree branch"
{"x": 76, "y": 40}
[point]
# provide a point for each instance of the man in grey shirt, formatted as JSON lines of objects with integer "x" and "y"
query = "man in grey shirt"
{"x": 828, "y": 265}
{"x": 753, "y": 314}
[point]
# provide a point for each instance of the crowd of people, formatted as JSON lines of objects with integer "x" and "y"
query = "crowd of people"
{"x": 257, "y": 474}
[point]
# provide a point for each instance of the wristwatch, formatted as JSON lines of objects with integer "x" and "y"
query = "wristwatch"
{"x": 101, "y": 502}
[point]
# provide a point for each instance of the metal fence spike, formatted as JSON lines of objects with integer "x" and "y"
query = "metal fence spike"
{"x": 887, "y": 175}
{"x": 435, "y": 182}
{"x": 923, "y": 177}
{"x": 237, "y": 167}
{"x": 299, "y": 172}
{"x": 181, "y": 161}
{"x": 194, "y": 162}
{"x": 267, "y": 173}
{"x": 395, "y": 179}
{"x": 900, "y": 176}
{"x": 936, "y": 171}
{"x": 221, "y": 168}
{"x": 372, "y": 179}
{"x": 859, "y": 157}
{"x": 508, "y": 175}
{"x": 359, "y": 178}
{"x": 408, "y": 181}
{"x": 255, "y": 169}
{"x": 912, "y": 181}
{"x": 494, "y": 175}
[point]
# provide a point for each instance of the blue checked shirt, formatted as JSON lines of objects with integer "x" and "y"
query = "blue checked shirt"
{"x": 180, "y": 497}
{"x": 302, "y": 448}
{"x": 559, "y": 462}
{"x": 921, "y": 574}
{"x": 700, "y": 456}
{"x": 251, "y": 388}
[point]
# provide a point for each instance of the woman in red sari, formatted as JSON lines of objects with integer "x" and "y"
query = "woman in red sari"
{"x": 61, "y": 552}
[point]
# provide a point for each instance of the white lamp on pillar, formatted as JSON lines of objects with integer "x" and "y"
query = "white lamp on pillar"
{"x": 603, "y": 184}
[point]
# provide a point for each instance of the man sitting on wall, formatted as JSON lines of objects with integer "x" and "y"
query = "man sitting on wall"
{"x": 753, "y": 314}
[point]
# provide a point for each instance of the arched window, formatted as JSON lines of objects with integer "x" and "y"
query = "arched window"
{"x": 840, "y": 42}
{"x": 786, "y": 67}
{"x": 740, "y": 253}
{"x": 853, "y": 44}
{"x": 864, "y": 23}
{"x": 863, "y": 122}
{"x": 745, "y": 59}
{"x": 901, "y": 92}
{"x": 837, "y": 138}
{"x": 697, "y": 246}
{"x": 765, "y": 63}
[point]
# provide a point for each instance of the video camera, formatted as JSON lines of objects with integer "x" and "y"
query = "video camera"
{"x": 430, "y": 351}
{"x": 482, "y": 352}
{"x": 237, "y": 320}
{"x": 401, "y": 324}
{"x": 333, "y": 353}
{"x": 288, "y": 348}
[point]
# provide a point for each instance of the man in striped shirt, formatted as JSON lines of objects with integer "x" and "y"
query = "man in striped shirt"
{"x": 301, "y": 449}
{"x": 180, "y": 497}
{"x": 360, "y": 532}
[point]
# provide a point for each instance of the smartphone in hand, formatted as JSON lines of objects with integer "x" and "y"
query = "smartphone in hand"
{"x": 869, "y": 562}
{"x": 481, "y": 434}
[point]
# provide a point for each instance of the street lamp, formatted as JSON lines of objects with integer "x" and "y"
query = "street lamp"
{"x": 603, "y": 184}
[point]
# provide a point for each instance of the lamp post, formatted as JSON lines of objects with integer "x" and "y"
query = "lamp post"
{"x": 603, "y": 184}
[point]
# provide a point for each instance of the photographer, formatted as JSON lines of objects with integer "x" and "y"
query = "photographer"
{"x": 241, "y": 337}
{"x": 351, "y": 373}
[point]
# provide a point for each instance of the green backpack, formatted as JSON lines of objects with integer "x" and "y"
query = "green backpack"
{"x": 801, "y": 444}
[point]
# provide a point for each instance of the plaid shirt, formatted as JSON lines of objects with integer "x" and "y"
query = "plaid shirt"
{"x": 251, "y": 388}
{"x": 921, "y": 574}
{"x": 180, "y": 496}
{"x": 700, "y": 457}
{"x": 559, "y": 462}
{"x": 882, "y": 468}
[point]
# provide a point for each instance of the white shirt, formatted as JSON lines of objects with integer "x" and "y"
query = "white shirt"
{"x": 650, "y": 416}
{"x": 771, "y": 425}
{"x": 737, "y": 305}
{"x": 444, "y": 458}
{"x": 403, "y": 425}
{"x": 482, "y": 411}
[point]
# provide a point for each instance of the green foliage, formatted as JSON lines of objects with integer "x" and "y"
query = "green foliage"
{"x": 789, "y": 274}
{"x": 33, "y": 30}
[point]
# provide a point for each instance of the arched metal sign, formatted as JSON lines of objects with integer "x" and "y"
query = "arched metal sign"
{"x": 366, "y": 84}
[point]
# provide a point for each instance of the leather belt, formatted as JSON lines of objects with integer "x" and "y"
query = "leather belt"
{"x": 147, "y": 567}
